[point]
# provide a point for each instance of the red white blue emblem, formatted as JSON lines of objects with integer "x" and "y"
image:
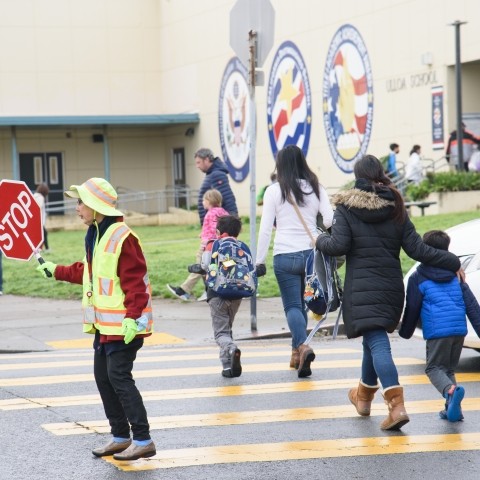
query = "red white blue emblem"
{"x": 347, "y": 97}
{"x": 289, "y": 102}
{"x": 233, "y": 119}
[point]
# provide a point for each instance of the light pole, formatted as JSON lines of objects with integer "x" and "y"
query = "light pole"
{"x": 458, "y": 88}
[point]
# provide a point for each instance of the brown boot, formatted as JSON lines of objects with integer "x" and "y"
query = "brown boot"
{"x": 295, "y": 358}
{"x": 306, "y": 358}
{"x": 361, "y": 397}
{"x": 397, "y": 416}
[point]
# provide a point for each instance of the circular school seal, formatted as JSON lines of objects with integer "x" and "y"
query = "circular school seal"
{"x": 347, "y": 97}
{"x": 233, "y": 119}
{"x": 289, "y": 100}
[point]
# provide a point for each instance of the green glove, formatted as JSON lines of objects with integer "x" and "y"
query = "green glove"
{"x": 129, "y": 329}
{"x": 49, "y": 266}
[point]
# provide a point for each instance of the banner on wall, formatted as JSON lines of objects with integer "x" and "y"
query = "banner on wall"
{"x": 347, "y": 97}
{"x": 289, "y": 101}
{"x": 233, "y": 119}
{"x": 437, "y": 118}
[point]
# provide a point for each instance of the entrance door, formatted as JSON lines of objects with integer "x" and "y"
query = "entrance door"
{"x": 179, "y": 178}
{"x": 36, "y": 168}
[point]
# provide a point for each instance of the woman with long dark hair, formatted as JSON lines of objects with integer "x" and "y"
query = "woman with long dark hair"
{"x": 296, "y": 184}
{"x": 370, "y": 227}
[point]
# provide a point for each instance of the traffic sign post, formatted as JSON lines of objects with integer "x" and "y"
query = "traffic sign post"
{"x": 251, "y": 37}
{"x": 21, "y": 230}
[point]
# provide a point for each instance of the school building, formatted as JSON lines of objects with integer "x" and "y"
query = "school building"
{"x": 130, "y": 89}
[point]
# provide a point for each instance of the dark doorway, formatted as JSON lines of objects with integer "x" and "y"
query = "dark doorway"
{"x": 179, "y": 178}
{"x": 36, "y": 168}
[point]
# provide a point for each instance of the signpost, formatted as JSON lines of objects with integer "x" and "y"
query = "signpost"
{"x": 251, "y": 37}
{"x": 21, "y": 230}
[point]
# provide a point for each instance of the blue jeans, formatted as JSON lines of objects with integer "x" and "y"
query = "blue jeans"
{"x": 289, "y": 269}
{"x": 377, "y": 360}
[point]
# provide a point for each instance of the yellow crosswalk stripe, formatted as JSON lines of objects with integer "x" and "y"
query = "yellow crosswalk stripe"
{"x": 87, "y": 352}
{"x": 255, "y": 417}
{"x": 210, "y": 392}
{"x": 159, "y": 338}
{"x": 192, "y": 371}
{"x": 164, "y": 357}
{"x": 269, "y": 452}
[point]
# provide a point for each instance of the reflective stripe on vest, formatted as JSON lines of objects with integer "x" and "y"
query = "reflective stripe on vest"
{"x": 105, "y": 307}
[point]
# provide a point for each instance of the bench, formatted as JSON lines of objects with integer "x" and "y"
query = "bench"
{"x": 421, "y": 205}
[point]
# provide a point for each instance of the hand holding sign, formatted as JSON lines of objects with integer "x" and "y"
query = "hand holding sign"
{"x": 21, "y": 230}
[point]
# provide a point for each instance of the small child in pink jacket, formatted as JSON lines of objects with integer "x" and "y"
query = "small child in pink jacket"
{"x": 212, "y": 203}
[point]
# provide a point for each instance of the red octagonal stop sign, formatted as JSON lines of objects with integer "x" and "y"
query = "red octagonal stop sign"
{"x": 21, "y": 231}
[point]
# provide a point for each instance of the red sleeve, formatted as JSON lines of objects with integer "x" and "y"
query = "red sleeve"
{"x": 71, "y": 273}
{"x": 132, "y": 269}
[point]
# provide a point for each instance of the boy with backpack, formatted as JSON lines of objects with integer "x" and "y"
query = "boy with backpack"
{"x": 435, "y": 296}
{"x": 230, "y": 276}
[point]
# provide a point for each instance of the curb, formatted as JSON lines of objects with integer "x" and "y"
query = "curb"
{"x": 324, "y": 331}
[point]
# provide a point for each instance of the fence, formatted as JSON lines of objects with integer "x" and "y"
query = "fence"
{"x": 144, "y": 202}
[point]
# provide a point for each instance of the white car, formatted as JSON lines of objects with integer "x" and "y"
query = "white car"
{"x": 465, "y": 242}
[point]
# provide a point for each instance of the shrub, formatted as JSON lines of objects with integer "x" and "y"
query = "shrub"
{"x": 444, "y": 182}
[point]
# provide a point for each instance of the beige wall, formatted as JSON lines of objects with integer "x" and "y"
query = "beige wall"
{"x": 136, "y": 57}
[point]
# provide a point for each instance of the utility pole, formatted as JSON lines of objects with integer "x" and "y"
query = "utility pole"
{"x": 458, "y": 87}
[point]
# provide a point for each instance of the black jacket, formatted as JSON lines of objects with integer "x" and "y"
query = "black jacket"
{"x": 364, "y": 230}
{"x": 217, "y": 177}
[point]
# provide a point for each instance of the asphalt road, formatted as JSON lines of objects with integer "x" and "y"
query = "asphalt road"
{"x": 266, "y": 424}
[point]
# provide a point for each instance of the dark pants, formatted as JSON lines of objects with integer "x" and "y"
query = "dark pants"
{"x": 443, "y": 355}
{"x": 121, "y": 399}
{"x": 45, "y": 238}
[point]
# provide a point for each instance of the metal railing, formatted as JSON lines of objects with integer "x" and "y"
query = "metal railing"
{"x": 430, "y": 165}
{"x": 144, "y": 202}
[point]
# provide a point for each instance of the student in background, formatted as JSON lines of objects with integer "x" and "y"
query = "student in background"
{"x": 212, "y": 203}
{"x": 413, "y": 171}
{"x": 261, "y": 193}
{"x": 40, "y": 196}
{"x": 469, "y": 140}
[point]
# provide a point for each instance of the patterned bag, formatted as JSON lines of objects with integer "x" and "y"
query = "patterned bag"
{"x": 231, "y": 273}
{"x": 322, "y": 286}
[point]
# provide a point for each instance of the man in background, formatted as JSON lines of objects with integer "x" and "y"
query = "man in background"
{"x": 216, "y": 177}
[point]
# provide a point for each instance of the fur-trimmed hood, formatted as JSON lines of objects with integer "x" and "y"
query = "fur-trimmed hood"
{"x": 356, "y": 198}
{"x": 369, "y": 205}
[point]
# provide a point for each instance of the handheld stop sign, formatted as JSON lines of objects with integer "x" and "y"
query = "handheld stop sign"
{"x": 21, "y": 230}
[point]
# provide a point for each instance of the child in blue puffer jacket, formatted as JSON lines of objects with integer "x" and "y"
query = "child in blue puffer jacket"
{"x": 437, "y": 298}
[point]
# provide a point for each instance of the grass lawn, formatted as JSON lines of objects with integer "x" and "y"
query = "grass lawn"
{"x": 168, "y": 250}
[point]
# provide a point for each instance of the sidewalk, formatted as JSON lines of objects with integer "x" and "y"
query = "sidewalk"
{"x": 27, "y": 323}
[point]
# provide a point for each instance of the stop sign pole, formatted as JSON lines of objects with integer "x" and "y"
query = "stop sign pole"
{"x": 21, "y": 229}
{"x": 252, "y": 38}
{"x": 255, "y": 18}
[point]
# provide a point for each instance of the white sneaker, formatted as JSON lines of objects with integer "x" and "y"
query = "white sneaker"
{"x": 202, "y": 297}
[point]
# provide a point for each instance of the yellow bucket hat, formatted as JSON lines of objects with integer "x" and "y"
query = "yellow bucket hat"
{"x": 97, "y": 194}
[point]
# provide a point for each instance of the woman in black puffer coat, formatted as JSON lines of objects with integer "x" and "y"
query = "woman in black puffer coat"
{"x": 370, "y": 226}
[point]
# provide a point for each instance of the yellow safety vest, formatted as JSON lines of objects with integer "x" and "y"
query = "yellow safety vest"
{"x": 103, "y": 298}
